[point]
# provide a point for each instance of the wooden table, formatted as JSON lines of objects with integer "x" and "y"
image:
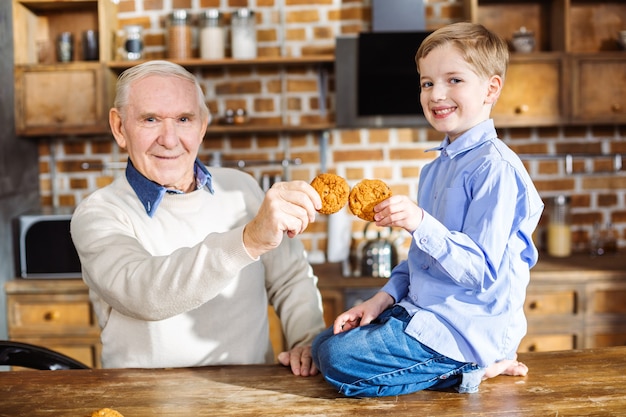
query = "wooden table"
{"x": 568, "y": 383}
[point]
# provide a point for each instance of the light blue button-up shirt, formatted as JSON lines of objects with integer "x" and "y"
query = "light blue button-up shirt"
{"x": 469, "y": 262}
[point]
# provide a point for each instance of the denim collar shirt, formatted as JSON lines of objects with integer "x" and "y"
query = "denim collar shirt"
{"x": 464, "y": 281}
{"x": 151, "y": 194}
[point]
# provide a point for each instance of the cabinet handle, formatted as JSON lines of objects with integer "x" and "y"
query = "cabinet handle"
{"x": 52, "y": 316}
{"x": 521, "y": 109}
{"x": 534, "y": 305}
{"x": 532, "y": 348}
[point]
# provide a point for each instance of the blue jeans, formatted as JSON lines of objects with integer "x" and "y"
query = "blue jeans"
{"x": 380, "y": 359}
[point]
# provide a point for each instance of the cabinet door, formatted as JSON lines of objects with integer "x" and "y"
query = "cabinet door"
{"x": 599, "y": 87}
{"x": 532, "y": 93}
{"x": 60, "y": 99}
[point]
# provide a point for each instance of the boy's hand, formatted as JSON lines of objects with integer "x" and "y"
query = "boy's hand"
{"x": 363, "y": 313}
{"x": 399, "y": 211}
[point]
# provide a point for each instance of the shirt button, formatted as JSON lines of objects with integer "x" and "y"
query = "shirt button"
{"x": 424, "y": 266}
{"x": 423, "y": 240}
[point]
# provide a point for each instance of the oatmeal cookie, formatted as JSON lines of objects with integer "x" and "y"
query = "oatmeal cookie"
{"x": 333, "y": 191}
{"x": 365, "y": 195}
{"x": 106, "y": 412}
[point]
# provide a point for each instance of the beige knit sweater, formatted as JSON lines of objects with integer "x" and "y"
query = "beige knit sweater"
{"x": 179, "y": 289}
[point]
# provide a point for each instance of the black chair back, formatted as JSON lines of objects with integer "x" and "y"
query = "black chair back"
{"x": 35, "y": 357}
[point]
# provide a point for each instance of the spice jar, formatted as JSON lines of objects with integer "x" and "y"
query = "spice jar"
{"x": 179, "y": 35}
{"x": 603, "y": 240}
{"x": 243, "y": 34}
{"x": 559, "y": 232}
{"x": 65, "y": 47}
{"x": 212, "y": 42}
{"x": 133, "y": 43}
{"x": 523, "y": 41}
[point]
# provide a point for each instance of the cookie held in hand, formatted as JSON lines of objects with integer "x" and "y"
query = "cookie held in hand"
{"x": 333, "y": 190}
{"x": 365, "y": 196}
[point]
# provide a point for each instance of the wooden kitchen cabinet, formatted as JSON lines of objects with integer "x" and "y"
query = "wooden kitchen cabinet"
{"x": 53, "y": 98}
{"x": 607, "y": 314}
{"x": 576, "y": 302}
{"x": 554, "y": 316}
{"x": 571, "y": 303}
{"x": 591, "y": 68}
{"x": 55, "y": 314}
{"x": 60, "y": 100}
{"x": 599, "y": 87}
{"x": 572, "y": 26}
{"x": 533, "y": 93}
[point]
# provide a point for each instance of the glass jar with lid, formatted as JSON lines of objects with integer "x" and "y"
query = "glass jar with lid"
{"x": 179, "y": 35}
{"x": 212, "y": 37}
{"x": 243, "y": 27}
{"x": 559, "y": 227}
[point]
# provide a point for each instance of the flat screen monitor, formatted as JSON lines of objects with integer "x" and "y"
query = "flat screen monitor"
{"x": 377, "y": 80}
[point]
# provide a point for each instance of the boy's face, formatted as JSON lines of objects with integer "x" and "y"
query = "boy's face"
{"x": 453, "y": 96}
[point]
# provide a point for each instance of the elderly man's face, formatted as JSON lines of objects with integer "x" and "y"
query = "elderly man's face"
{"x": 162, "y": 130}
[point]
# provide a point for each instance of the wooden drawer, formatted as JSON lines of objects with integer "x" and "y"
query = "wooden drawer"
{"x": 544, "y": 343}
{"x": 548, "y": 302}
{"x": 45, "y": 314}
{"x": 609, "y": 339}
{"x": 610, "y": 331}
{"x": 609, "y": 301}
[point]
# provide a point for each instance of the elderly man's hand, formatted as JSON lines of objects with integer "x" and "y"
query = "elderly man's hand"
{"x": 300, "y": 360}
{"x": 288, "y": 207}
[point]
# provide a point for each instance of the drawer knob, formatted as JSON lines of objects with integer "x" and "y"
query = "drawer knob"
{"x": 52, "y": 316}
{"x": 534, "y": 305}
{"x": 532, "y": 348}
{"x": 616, "y": 108}
{"x": 521, "y": 109}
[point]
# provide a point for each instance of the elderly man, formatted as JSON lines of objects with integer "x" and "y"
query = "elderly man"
{"x": 181, "y": 260}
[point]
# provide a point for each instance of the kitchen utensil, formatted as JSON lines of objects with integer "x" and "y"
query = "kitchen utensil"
{"x": 378, "y": 256}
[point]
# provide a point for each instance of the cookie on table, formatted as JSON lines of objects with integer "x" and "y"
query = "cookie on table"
{"x": 365, "y": 196}
{"x": 333, "y": 190}
{"x": 106, "y": 412}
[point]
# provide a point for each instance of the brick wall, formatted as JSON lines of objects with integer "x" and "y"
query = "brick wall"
{"x": 71, "y": 169}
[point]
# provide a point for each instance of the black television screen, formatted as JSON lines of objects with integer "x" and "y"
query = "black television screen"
{"x": 388, "y": 82}
{"x": 377, "y": 84}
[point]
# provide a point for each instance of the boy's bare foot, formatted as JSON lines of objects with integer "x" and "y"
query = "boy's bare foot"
{"x": 506, "y": 367}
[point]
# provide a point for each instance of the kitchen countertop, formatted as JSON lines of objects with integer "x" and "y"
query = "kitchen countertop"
{"x": 579, "y": 266}
{"x": 579, "y": 382}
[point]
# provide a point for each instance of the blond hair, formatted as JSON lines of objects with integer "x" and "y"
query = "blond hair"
{"x": 483, "y": 50}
